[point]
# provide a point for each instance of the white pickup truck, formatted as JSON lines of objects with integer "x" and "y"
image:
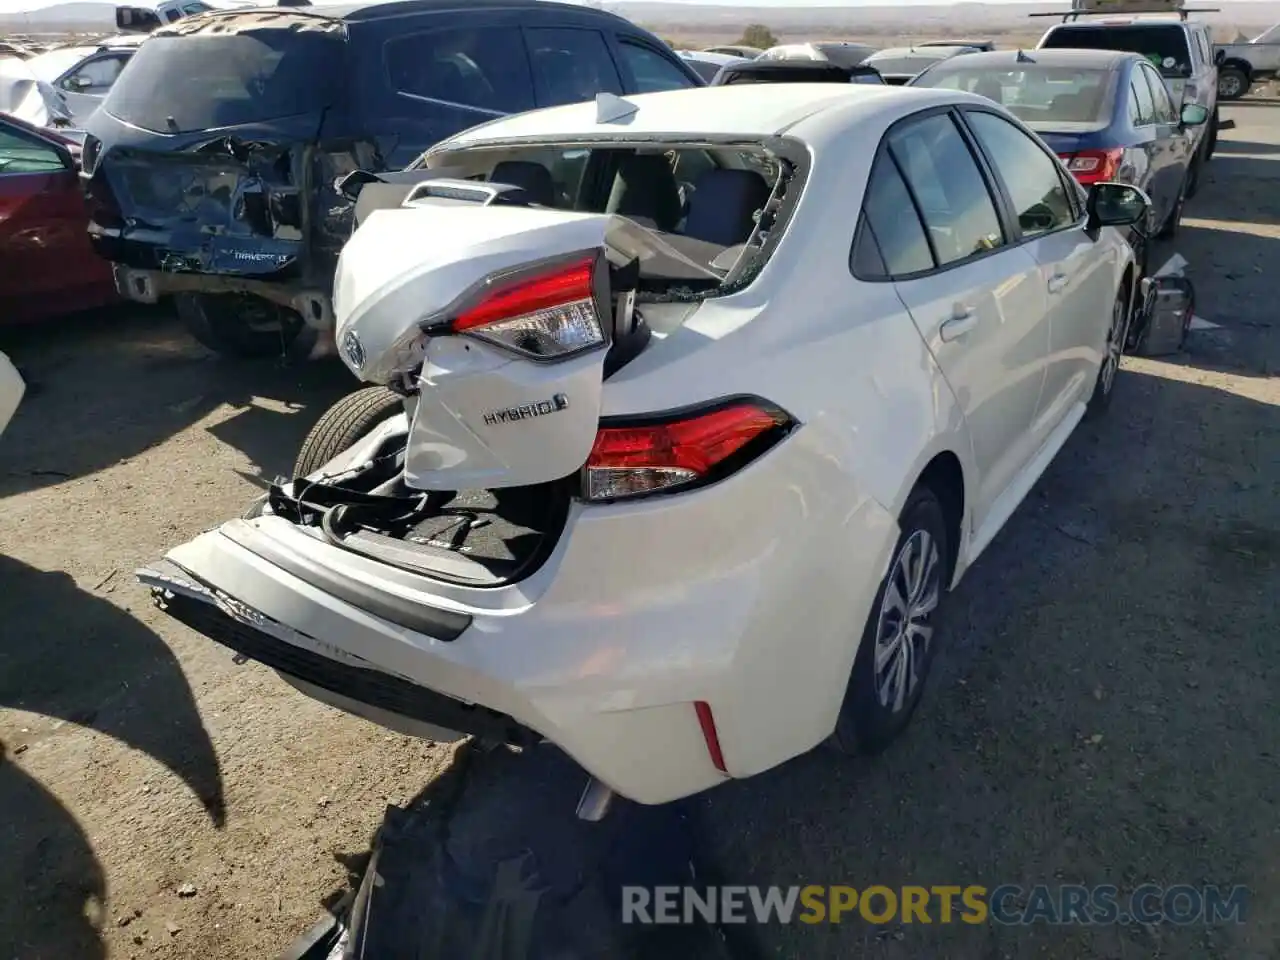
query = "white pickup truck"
{"x": 146, "y": 19}
{"x": 1247, "y": 62}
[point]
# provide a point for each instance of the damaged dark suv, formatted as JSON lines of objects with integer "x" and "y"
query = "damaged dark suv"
{"x": 211, "y": 170}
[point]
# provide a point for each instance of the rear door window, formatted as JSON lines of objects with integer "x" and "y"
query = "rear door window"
{"x": 898, "y": 240}
{"x": 948, "y": 186}
{"x": 1162, "y": 103}
{"x": 651, "y": 71}
{"x": 570, "y": 65}
{"x": 199, "y": 81}
{"x": 1146, "y": 113}
{"x": 484, "y": 67}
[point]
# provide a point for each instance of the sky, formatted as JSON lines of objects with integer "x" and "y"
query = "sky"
{"x": 17, "y": 6}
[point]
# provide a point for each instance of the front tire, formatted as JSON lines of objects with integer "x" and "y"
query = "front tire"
{"x": 1117, "y": 334}
{"x": 238, "y": 325}
{"x": 345, "y": 424}
{"x": 899, "y": 639}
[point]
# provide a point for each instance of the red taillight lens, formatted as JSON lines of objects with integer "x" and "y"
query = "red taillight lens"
{"x": 547, "y": 312}
{"x": 673, "y": 453}
{"x": 1093, "y": 166}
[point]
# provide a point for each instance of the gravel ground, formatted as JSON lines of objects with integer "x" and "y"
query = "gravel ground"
{"x": 1103, "y": 712}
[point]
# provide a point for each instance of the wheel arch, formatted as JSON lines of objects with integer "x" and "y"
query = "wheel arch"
{"x": 944, "y": 476}
{"x": 1244, "y": 66}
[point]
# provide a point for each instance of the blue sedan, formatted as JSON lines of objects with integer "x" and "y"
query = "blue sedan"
{"x": 1108, "y": 115}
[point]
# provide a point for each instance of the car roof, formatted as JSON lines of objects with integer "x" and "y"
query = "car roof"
{"x": 922, "y": 53}
{"x": 1148, "y": 21}
{"x": 1049, "y": 57}
{"x": 382, "y": 9}
{"x": 707, "y": 56}
{"x": 751, "y": 111}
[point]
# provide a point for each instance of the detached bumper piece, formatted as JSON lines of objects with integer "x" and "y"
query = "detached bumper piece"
{"x": 372, "y": 687}
{"x": 490, "y": 863}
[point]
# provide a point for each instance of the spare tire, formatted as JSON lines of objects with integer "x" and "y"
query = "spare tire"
{"x": 344, "y": 424}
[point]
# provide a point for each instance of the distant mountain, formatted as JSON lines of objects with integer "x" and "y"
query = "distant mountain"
{"x": 61, "y": 17}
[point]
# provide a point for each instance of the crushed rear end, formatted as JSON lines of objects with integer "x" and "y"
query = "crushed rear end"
{"x": 449, "y": 572}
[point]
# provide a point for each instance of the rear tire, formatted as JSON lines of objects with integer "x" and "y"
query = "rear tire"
{"x": 1117, "y": 335}
{"x": 238, "y": 325}
{"x": 1169, "y": 229}
{"x": 900, "y": 633}
{"x": 343, "y": 425}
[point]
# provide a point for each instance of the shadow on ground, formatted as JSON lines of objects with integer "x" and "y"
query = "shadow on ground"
{"x": 82, "y": 661}
{"x": 72, "y": 423}
{"x": 1101, "y": 712}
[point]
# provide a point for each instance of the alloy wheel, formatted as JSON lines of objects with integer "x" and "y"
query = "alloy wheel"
{"x": 1115, "y": 344}
{"x": 1229, "y": 86}
{"x": 905, "y": 629}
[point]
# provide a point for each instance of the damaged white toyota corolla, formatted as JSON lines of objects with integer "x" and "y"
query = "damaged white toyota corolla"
{"x": 691, "y": 408}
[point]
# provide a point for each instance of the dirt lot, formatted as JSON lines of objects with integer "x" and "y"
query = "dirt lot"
{"x": 1104, "y": 711}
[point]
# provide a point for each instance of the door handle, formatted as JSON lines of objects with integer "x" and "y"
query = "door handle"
{"x": 961, "y": 322}
{"x": 1058, "y": 282}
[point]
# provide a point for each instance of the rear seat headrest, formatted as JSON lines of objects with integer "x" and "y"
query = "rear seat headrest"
{"x": 646, "y": 187}
{"x": 724, "y": 205}
{"x": 532, "y": 178}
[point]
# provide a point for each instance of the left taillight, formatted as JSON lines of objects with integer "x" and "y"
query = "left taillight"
{"x": 548, "y": 311}
{"x": 680, "y": 450}
{"x": 1094, "y": 166}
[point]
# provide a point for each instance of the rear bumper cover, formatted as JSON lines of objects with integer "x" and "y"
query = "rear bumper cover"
{"x": 749, "y": 595}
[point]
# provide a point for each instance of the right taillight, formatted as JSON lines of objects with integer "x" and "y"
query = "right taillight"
{"x": 1093, "y": 166}
{"x": 676, "y": 451}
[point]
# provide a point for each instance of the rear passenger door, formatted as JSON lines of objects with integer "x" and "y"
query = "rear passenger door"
{"x": 976, "y": 298}
{"x": 1047, "y": 218}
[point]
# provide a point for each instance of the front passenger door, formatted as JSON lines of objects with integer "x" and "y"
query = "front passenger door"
{"x": 1076, "y": 283}
{"x": 976, "y": 300}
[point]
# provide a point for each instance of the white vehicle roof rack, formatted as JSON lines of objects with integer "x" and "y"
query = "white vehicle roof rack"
{"x": 1112, "y": 8}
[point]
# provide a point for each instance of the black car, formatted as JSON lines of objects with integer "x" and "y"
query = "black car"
{"x": 1108, "y": 115}
{"x": 211, "y": 169}
{"x": 793, "y": 71}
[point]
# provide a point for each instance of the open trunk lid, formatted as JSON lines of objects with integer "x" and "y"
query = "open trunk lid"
{"x": 506, "y": 320}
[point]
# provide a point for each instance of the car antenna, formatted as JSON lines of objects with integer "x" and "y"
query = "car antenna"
{"x": 1023, "y": 58}
{"x": 611, "y": 108}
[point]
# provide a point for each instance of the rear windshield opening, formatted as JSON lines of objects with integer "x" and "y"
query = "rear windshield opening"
{"x": 720, "y": 208}
{"x": 1165, "y": 46}
{"x": 179, "y": 84}
{"x": 1040, "y": 96}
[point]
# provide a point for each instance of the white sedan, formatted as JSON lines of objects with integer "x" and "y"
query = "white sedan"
{"x": 691, "y": 408}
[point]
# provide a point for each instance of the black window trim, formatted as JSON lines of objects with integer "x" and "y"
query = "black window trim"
{"x": 1018, "y": 237}
{"x": 999, "y": 200}
{"x": 518, "y": 28}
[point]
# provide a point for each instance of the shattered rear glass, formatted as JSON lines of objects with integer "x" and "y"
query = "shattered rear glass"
{"x": 182, "y": 82}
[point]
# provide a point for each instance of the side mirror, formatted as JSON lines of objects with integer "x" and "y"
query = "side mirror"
{"x": 1193, "y": 114}
{"x": 1116, "y": 205}
{"x": 1219, "y": 57}
{"x": 349, "y": 185}
{"x": 79, "y": 83}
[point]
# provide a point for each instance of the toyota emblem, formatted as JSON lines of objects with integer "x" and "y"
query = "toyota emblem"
{"x": 353, "y": 349}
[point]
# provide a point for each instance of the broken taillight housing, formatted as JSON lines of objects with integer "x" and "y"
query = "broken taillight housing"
{"x": 682, "y": 449}
{"x": 545, "y": 312}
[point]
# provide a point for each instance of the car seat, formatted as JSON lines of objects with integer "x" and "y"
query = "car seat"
{"x": 645, "y": 189}
{"x": 533, "y": 179}
{"x": 724, "y": 205}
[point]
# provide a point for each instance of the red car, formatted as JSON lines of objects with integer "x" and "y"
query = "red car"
{"x": 48, "y": 266}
